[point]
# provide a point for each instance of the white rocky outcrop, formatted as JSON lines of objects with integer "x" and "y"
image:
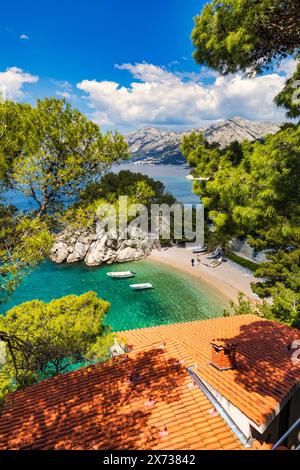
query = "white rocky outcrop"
{"x": 97, "y": 248}
{"x": 59, "y": 252}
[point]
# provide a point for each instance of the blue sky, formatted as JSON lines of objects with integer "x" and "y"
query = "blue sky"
{"x": 78, "y": 39}
{"x": 127, "y": 64}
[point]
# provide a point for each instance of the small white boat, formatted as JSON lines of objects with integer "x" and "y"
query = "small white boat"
{"x": 120, "y": 274}
{"x": 194, "y": 178}
{"x": 144, "y": 286}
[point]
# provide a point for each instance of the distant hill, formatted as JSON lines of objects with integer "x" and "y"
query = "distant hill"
{"x": 157, "y": 146}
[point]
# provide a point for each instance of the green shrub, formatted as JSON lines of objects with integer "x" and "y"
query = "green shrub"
{"x": 246, "y": 263}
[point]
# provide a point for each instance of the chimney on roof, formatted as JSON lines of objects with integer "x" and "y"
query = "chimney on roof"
{"x": 223, "y": 355}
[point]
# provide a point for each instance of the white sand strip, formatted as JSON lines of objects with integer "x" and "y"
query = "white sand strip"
{"x": 229, "y": 278}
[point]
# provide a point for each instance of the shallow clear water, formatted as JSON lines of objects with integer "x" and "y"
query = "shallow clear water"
{"x": 176, "y": 297}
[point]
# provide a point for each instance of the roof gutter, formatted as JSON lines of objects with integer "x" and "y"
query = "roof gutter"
{"x": 239, "y": 434}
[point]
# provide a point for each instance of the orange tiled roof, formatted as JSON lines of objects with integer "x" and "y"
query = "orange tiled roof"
{"x": 265, "y": 376}
{"x": 143, "y": 400}
{"x": 147, "y": 399}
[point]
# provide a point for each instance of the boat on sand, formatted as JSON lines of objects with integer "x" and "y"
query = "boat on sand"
{"x": 214, "y": 263}
{"x": 199, "y": 249}
{"x": 217, "y": 253}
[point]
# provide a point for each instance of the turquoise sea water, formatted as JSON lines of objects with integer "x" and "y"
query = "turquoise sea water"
{"x": 176, "y": 297}
{"x": 172, "y": 176}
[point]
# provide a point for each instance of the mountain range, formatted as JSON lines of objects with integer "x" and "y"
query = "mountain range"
{"x": 157, "y": 146}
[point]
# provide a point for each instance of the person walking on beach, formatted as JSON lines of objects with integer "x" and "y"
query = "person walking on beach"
{"x": 198, "y": 260}
{"x": 193, "y": 262}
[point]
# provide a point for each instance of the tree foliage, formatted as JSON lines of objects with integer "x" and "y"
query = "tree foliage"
{"x": 139, "y": 189}
{"x": 282, "y": 284}
{"x": 252, "y": 187}
{"x": 44, "y": 339}
{"x": 12, "y": 136}
{"x": 50, "y": 153}
{"x": 289, "y": 97}
{"x": 63, "y": 152}
{"x": 242, "y": 307}
{"x": 24, "y": 242}
{"x": 232, "y": 35}
{"x": 254, "y": 191}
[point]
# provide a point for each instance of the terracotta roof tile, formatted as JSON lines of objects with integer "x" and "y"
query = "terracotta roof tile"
{"x": 265, "y": 375}
{"x": 147, "y": 399}
{"x": 99, "y": 407}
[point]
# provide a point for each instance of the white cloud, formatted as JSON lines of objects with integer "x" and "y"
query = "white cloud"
{"x": 163, "y": 98}
{"x": 63, "y": 84}
{"x": 64, "y": 94}
{"x": 12, "y": 81}
{"x": 24, "y": 36}
{"x": 288, "y": 66}
{"x": 65, "y": 89}
{"x": 148, "y": 72}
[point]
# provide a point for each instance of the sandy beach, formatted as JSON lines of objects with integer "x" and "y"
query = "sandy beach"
{"x": 229, "y": 278}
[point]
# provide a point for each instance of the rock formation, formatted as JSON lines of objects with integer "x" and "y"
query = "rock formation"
{"x": 97, "y": 248}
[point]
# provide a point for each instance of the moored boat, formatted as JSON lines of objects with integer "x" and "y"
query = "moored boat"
{"x": 195, "y": 178}
{"x": 120, "y": 274}
{"x": 144, "y": 286}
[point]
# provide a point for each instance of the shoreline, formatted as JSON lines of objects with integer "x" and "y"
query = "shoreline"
{"x": 229, "y": 279}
